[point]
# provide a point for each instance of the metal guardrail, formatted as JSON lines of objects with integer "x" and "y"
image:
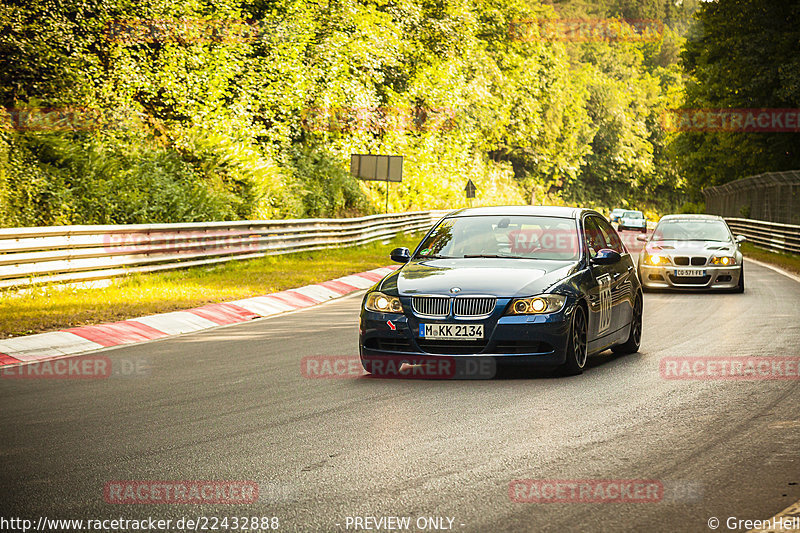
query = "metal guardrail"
{"x": 771, "y": 235}
{"x": 57, "y": 254}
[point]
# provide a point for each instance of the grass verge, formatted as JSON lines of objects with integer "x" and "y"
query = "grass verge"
{"x": 53, "y": 307}
{"x": 790, "y": 262}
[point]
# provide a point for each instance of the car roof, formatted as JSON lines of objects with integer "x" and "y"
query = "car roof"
{"x": 531, "y": 210}
{"x": 633, "y": 211}
{"x": 693, "y": 216}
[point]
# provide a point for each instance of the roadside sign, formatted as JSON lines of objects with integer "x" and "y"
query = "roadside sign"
{"x": 372, "y": 167}
{"x": 377, "y": 167}
{"x": 470, "y": 189}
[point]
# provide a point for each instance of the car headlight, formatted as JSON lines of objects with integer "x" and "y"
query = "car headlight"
{"x": 724, "y": 260}
{"x": 655, "y": 259}
{"x": 537, "y": 305}
{"x": 383, "y": 303}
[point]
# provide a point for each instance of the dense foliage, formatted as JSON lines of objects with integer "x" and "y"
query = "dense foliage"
{"x": 743, "y": 54}
{"x": 233, "y": 109}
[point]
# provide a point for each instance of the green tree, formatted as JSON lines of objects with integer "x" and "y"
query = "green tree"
{"x": 743, "y": 54}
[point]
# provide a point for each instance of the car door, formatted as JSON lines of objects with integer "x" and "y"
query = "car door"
{"x": 622, "y": 273}
{"x": 600, "y": 308}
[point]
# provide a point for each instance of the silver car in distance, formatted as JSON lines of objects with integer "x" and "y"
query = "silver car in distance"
{"x": 632, "y": 220}
{"x": 692, "y": 252}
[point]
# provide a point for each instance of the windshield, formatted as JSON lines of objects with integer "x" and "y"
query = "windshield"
{"x": 513, "y": 237}
{"x": 633, "y": 214}
{"x": 691, "y": 230}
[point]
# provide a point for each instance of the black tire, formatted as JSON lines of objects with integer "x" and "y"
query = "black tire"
{"x": 740, "y": 287}
{"x": 635, "y": 335}
{"x": 576, "y": 344}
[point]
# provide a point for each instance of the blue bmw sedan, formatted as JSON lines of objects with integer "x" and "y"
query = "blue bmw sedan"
{"x": 522, "y": 285}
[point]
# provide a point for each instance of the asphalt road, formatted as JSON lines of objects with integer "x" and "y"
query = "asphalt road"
{"x": 232, "y": 404}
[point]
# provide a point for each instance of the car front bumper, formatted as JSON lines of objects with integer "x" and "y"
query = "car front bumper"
{"x": 522, "y": 339}
{"x": 632, "y": 225}
{"x": 715, "y": 277}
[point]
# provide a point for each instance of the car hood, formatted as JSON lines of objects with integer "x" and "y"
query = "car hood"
{"x": 706, "y": 248}
{"x": 498, "y": 277}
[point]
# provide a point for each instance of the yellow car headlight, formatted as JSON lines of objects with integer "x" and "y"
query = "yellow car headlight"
{"x": 724, "y": 260}
{"x": 656, "y": 260}
{"x": 544, "y": 303}
{"x": 383, "y": 303}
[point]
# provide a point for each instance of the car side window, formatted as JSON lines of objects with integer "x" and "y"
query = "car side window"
{"x": 593, "y": 237}
{"x": 610, "y": 236}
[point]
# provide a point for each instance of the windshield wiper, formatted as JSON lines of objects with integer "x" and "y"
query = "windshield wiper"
{"x": 434, "y": 256}
{"x": 493, "y": 256}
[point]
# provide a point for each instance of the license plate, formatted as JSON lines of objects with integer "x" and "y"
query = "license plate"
{"x": 689, "y": 272}
{"x": 451, "y": 331}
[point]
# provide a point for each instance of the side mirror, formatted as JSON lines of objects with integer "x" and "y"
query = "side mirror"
{"x": 606, "y": 257}
{"x": 642, "y": 238}
{"x": 740, "y": 239}
{"x": 400, "y": 255}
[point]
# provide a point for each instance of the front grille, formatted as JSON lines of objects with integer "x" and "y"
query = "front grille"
{"x": 521, "y": 347}
{"x": 477, "y": 306}
{"x": 431, "y": 305}
{"x": 394, "y": 344}
{"x": 685, "y": 261}
{"x": 452, "y": 347}
{"x": 694, "y": 280}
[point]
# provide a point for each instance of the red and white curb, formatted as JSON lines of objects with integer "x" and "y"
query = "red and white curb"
{"x": 87, "y": 338}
